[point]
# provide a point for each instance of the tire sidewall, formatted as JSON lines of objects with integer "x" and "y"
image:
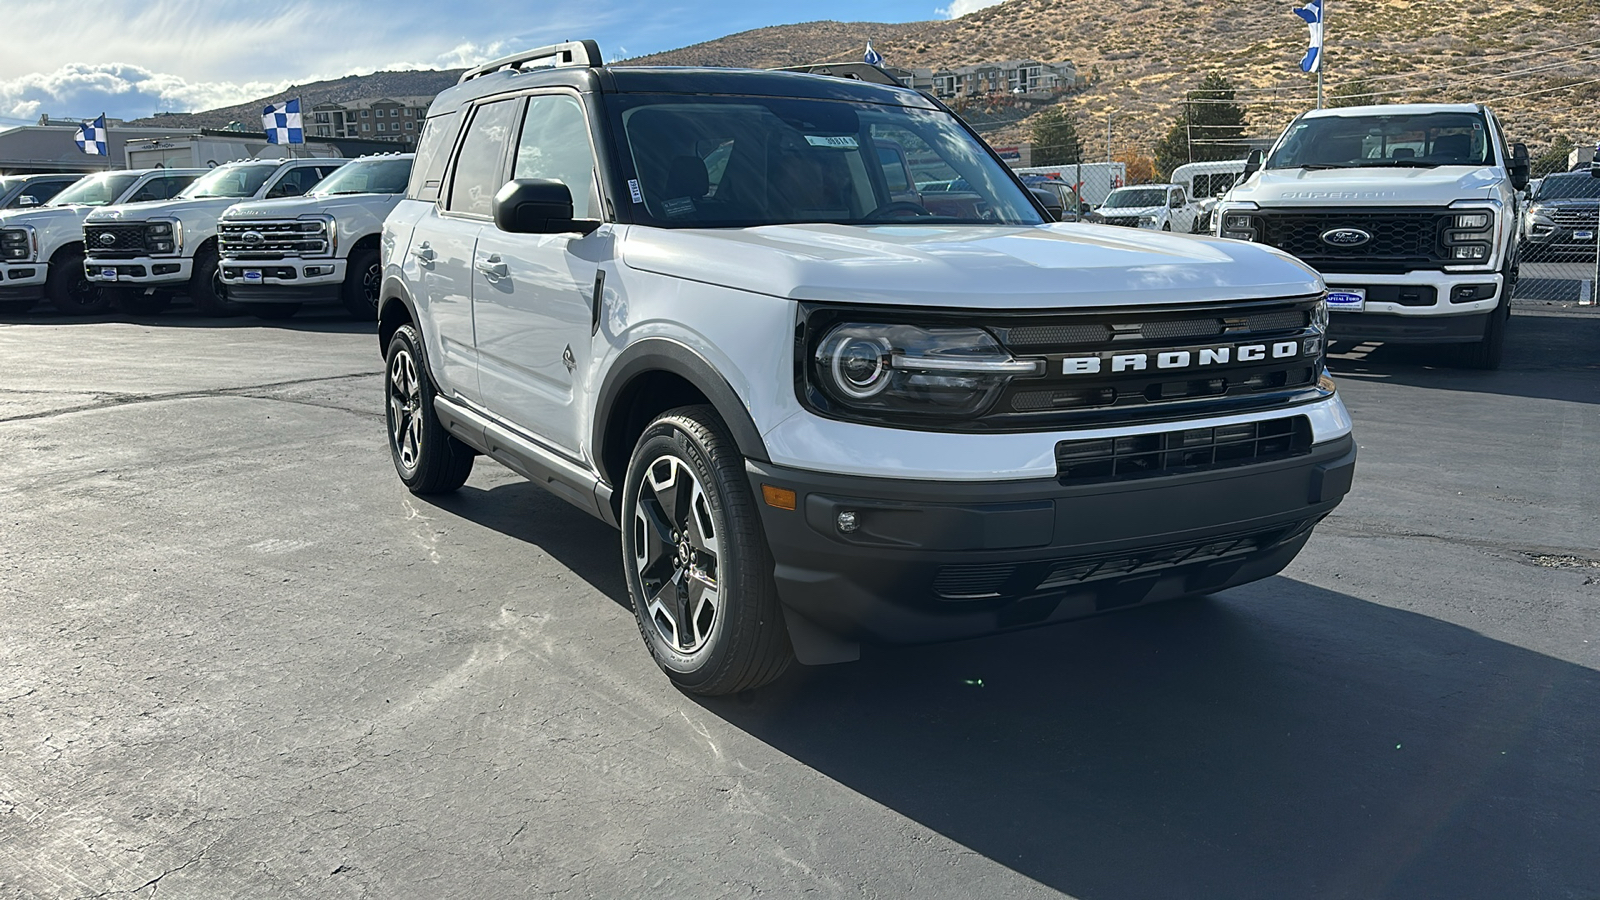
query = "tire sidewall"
{"x": 662, "y": 439}
{"x": 66, "y": 275}
{"x": 353, "y": 292}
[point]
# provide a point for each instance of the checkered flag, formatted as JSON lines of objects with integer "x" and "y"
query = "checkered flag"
{"x": 283, "y": 123}
{"x": 92, "y": 137}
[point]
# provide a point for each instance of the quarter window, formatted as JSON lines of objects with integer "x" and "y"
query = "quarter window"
{"x": 479, "y": 171}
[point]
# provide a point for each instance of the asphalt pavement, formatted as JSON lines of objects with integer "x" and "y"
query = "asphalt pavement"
{"x": 240, "y": 660}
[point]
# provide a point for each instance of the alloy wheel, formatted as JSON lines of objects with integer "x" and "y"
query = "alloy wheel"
{"x": 405, "y": 410}
{"x": 676, "y": 555}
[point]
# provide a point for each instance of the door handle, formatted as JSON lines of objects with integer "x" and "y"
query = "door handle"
{"x": 492, "y": 267}
{"x": 424, "y": 253}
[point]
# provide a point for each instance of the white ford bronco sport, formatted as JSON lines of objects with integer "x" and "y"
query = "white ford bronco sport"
{"x": 41, "y": 248}
{"x": 279, "y": 254}
{"x": 154, "y": 250}
{"x": 1408, "y": 211}
{"x": 690, "y": 302}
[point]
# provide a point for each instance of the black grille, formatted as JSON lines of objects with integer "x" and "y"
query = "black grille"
{"x": 1157, "y": 326}
{"x": 1009, "y": 580}
{"x": 1401, "y": 239}
{"x": 1124, "y": 221}
{"x": 126, "y": 239}
{"x": 1189, "y": 450}
{"x": 271, "y": 240}
{"x": 1576, "y": 218}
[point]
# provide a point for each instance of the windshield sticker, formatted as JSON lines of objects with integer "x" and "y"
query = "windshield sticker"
{"x": 633, "y": 189}
{"x": 838, "y": 142}
{"x": 682, "y": 206}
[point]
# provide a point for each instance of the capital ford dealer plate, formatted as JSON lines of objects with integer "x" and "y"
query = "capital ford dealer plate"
{"x": 1347, "y": 299}
{"x": 108, "y": 274}
{"x": 252, "y": 274}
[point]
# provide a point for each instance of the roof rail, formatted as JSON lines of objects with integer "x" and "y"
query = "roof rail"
{"x": 855, "y": 71}
{"x": 570, "y": 53}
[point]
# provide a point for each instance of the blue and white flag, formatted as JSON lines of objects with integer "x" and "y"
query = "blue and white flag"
{"x": 1312, "y": 13}
{"x": 874, "y": 58}
{"x": 92, "y": 137}
{"x": 283, "y": 124}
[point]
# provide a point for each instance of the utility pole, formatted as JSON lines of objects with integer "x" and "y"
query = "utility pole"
{"x": 1108, "y": 137}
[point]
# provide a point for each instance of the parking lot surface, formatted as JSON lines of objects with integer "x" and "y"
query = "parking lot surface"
{"x": 240, "y": 660}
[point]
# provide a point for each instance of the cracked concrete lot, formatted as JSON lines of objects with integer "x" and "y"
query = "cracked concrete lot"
{"x": 238, "y": 659}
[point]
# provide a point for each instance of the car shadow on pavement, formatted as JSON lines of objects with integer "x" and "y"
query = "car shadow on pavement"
{"x": 1277, "y": 741}
{"x": 1547, "y": 356}
{"x": 329, "y": 320}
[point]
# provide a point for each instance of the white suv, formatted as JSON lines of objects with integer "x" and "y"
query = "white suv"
{"x": 823, "y": 409}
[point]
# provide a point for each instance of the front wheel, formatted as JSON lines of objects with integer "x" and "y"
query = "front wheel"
{"x": 363, "y": 277}
{"x": 427, "y": 458}
{"x": 698, "y": 568}
{"x": 70, "y": 289}
{"x": 206, "y": 290}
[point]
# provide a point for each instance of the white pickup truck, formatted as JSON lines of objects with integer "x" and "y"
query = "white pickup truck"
{"x": 41, "y": 248}
{"x": 1154, "y": 207}
{"x": 279, "y": 254}
{"x": 1409, "y": 212}
{"x": 154, "y": 250}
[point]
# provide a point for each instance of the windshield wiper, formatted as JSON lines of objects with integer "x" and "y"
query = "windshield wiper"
{"x": 1405, "y": 164}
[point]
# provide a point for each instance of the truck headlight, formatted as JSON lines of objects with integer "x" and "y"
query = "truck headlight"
{"x": 1149, "y": 221}
{"x": 163, "y": 237}
{"x": 1239, "y": 226}
{"x": 17, "y": 244}
{"x": 942, "y": 371}
{"x": 1467, "y": 236}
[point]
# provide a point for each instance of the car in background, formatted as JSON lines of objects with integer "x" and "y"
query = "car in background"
{"x": 1155, "y": 207}
{"x": 323, "y": 247}
{"x": 1207, "y": 181}
{"x": 26, "y": 191}
{"x": 41, "y": 248}
{"x": 1061, "y": 199}
{"x": 1562, "y": 219}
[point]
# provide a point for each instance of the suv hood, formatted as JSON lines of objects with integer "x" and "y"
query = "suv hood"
{"x": 294, "y": 207}
{"x": 999, "y": 267}
{"x": 139, "y": 212}
{"x": 1439, "y": 186}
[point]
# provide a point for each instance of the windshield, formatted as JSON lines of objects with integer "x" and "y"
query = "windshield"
{"x": 744, "y": 161}
{"x": 230, "y": 181}
{"x": 1560, "y": 187}
{"x": 6, "y": 184}
{"x": 1424, "y": 141}
{"x": 96, "y": 190}
{"x": 1133, "y": 198}
{"x": 367, "y": 176}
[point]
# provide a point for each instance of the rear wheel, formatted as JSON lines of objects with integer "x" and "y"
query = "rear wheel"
{"x": 363, "y": 277}
{"x": 273, "y": 311}
{"x": 698, "y": 568}
{"x": 70, "y": 289}
{"x": 206, "y": 290}
{"x": 427, "y": 458}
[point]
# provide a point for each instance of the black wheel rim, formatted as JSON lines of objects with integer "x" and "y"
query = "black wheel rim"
{"x": 405, "y": 410}
{"x": 371, "y": 281}
{"x": 83, "y": 292}
{"x": 677, "y": 555}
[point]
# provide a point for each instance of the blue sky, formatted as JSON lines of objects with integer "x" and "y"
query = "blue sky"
{"x": 78, "y": 58}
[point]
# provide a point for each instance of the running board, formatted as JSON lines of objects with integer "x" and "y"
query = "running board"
{"x": 540, "y": 465}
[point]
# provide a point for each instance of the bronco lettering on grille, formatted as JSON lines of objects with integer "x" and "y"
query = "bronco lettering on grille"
{"x": 1173, "y": 360}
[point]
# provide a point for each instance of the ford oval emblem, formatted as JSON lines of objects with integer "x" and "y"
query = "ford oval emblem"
{"x": 1346, "y": 237}
{"x": 107, "y": 237}
{"x": 251, "y": 237}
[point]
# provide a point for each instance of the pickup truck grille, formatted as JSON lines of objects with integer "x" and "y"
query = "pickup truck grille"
{"x": 272, "y": 239}
{"x": 1116, "y": 367}
{"x": 1402, "y": 240}
{"x": 114, "y": 240}
{"x": 1124, "y": 221}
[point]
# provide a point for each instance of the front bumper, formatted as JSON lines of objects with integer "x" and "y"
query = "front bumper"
{"x": 23, "y": 281}
{"x": 942, "y": 561}
{"x": 283, "y": 280}
{"x": 1425, "y": 293}
{"x": 145, "y": 270}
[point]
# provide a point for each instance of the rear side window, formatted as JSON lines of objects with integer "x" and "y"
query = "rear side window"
{"x": 433, "y": 149}
{"x": 480, "y": 169}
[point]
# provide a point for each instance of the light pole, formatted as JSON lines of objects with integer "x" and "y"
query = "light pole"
{"x": 1108, "y": 136}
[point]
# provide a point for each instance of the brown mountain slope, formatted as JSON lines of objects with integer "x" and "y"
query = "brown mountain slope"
{"x": 789, "y": 45}
{"x": 339, "y": 90}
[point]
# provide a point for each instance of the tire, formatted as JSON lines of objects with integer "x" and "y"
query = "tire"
{"x": 206, "y": 290}
{"x": 428, "y": 459}
{"x": 136, "y": 302}
{"x": 698, "y": 567}
{"x": 272, "y": 311}
{"x": 1166, "y": 226}
{"x": 362, "y": 281}
{"x": 1488, "y": 353}
{"x": 70, "y": 290}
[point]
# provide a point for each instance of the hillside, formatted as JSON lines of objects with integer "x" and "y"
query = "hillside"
{"x": 339, "y": 90}
{"x": 1145, "y": 54}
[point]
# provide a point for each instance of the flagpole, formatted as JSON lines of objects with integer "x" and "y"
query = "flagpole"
{"x": 1322, "y": 54}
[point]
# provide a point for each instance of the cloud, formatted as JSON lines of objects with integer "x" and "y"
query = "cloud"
{"x": 119, "y": 89}
{"x": 959, "y": 8}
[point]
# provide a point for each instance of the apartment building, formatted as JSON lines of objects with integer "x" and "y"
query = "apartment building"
{"x": 394, "y": 119}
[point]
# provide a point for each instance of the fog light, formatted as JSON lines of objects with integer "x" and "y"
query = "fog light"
{"x": 847, "y": 522}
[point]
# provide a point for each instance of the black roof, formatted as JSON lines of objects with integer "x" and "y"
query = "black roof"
{"x": 680, "y": 80}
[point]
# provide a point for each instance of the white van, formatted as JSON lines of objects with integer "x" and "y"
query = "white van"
{"x": 1206, "y": 181}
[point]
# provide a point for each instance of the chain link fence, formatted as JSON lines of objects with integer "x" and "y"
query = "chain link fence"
{"x": 1559, "y": 230}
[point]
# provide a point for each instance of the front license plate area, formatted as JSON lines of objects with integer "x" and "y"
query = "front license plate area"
{"x": 253, "y": 275}
{"x": 108, "y": 274}
{"x": 1347, "y": 299}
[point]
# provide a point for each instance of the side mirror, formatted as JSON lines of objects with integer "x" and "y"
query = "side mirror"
{"x": 27, "y": 200}
{"x": 1050, "y": 202}
{"x": 537, "y": 206}
{"x": 1518, "y": 168}
{"x": 1252, "y": 164}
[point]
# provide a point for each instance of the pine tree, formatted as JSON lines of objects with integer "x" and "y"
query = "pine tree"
{"x": 1055, "y": 139}
{"x": 1211, "y": 126}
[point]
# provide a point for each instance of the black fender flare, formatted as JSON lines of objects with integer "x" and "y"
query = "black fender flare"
{"x": 658, "y": 354}
{"x": 393, "y": 292}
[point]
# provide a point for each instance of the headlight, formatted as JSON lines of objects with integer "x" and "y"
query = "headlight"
{"x": 16, "y": 244}
{"x": 321, "y": 225}
{"x": 1147, "y": 220}
{"x": 943, "y": 371}
{"x": 1473, "y": 221}
{"x": 1319, "y": 315}
{"x": 163, "y": 237}
{"x": 1467, "y": 236}
{"x": 1239, "y": 226}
